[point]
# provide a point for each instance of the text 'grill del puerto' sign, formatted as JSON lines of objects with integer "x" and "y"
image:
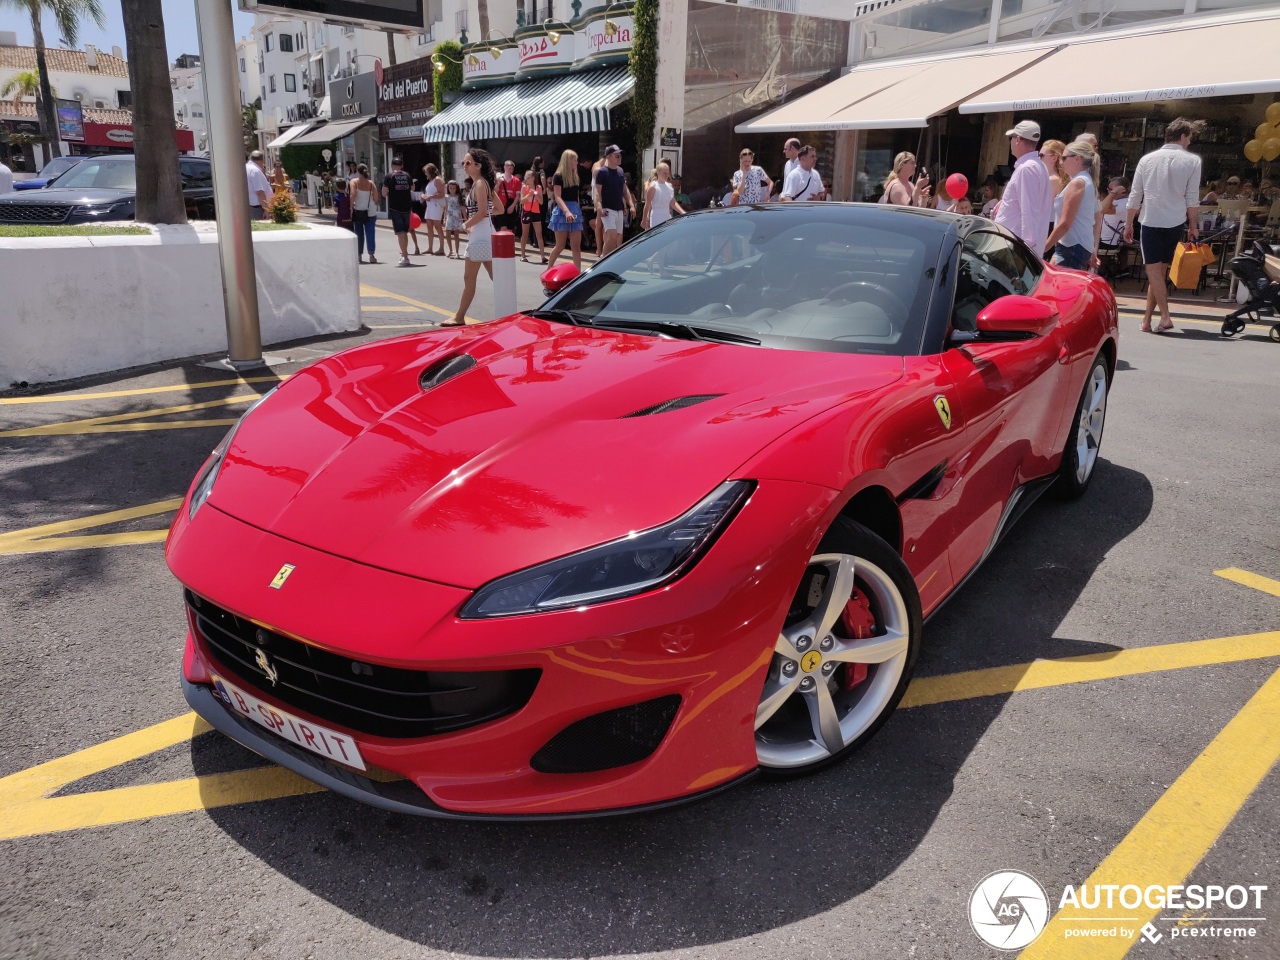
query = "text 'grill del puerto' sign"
{"x": 405, "y": 100}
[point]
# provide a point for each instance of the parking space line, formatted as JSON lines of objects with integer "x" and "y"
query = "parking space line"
{"x": 33, "y": 539}
{"x": 25, "y": 809}
{"x": 1247, "y": 579}
{"x": 1091, "y": 666}
{"x": 368, "y": 291}
{"x": 118, "y": 423}
{"x": 140, "y": 391}
{"x": 1175, "y": 834}
{"x": 404, "y": 308}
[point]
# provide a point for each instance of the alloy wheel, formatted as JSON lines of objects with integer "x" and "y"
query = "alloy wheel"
{"x": 1093, "y": 412}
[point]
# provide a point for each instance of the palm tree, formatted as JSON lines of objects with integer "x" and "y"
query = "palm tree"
{"x": 482, "y": 15}
{"x": 25, "y": 84}
{"x": 67, "y": 14}
{"x": 159, "y": 198}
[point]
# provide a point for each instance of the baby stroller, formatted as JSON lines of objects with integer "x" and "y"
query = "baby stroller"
{"x": 1250, "y": 268}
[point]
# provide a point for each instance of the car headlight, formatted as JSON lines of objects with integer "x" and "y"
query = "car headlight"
{"x": 636, "y": 563}
{"x": 120, "y": 206}
{"x": 209, "y": 472}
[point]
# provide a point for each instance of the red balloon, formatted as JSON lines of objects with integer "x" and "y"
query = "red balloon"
{"x": 415, "y": 221}
{"x": 957, "y": 186}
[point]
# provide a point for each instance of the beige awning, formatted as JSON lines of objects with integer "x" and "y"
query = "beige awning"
{"x": 1205, "y": 61}
{"x": 894, "y": 97}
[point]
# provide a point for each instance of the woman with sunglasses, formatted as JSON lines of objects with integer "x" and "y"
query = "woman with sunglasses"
{"x": 479, "y": 166}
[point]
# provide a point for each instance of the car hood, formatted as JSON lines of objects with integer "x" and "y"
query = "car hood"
{"x": 544, "y": 443}
{"x": 80, "y": 196}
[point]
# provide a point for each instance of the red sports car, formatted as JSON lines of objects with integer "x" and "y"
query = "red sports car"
{"x": 676, "y": 527}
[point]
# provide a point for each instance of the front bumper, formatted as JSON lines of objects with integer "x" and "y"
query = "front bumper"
{"x": 707, "y": 638}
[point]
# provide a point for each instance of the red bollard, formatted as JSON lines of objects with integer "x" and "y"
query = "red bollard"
{"x": 504, "y": 273}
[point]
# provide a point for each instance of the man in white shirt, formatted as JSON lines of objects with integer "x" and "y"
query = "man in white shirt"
{"x": 804, "y": 182}
{"x": 6, "y": 178}
{"x": 259, "y": 185}
{"x": 1166, "y": 187}
{"x": 1027, "y": 204}
{"x": 790, "y": 150}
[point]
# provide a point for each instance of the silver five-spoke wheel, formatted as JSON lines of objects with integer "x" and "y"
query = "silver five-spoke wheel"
{"x": 841, "y": 661}
{"x": 1093, "y": 413}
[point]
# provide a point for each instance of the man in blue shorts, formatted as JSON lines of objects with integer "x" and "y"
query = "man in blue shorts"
{"x": 397, "y": 190}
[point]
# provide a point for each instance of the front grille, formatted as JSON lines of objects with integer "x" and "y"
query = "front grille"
{"x": 34, "y": 212}
{"x": 614, "y": 738}
{"x": 368, "y": 697}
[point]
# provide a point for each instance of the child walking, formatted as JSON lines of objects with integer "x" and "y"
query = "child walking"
{"x": 453, "y": 217}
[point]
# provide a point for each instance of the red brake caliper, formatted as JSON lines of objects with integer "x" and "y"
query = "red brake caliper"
{"x": 859, "y": 623}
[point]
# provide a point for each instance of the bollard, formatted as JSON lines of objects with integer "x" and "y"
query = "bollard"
{"x": 504, "y": 273}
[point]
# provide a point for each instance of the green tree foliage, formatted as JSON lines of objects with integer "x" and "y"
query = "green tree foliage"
{"x": 644, "y": 68}
{"x": 450, "y": 79}
{"x": 299, "y": 159}
{"x": 249, "y": 125}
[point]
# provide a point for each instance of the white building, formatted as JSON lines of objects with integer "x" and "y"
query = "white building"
{"x": 186, "y": 80}
{"x": 247, "y": 69}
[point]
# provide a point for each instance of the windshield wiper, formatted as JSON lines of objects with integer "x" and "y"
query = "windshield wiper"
{"x": 558, "y": 313}
{"x": 682, "y": 331}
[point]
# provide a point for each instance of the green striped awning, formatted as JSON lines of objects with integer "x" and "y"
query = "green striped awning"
{"x": 578, "y": 103}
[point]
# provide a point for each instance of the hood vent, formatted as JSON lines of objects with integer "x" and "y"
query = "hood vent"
{"x": 445, "y": 369}
{"x": 679, "y": 403}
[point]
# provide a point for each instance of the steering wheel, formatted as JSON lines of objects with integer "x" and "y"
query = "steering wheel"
{"x": 882, "y": 296}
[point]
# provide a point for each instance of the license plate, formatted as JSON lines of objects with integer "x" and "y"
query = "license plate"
{"x": 307, "y": 734}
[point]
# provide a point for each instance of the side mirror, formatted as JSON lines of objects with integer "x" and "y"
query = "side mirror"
{"x": 558, "y": 277}
{"x": 1015, "y": 318}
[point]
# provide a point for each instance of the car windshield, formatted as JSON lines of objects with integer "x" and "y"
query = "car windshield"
{"x": 58, "y": 166}
{"x": 115, "y": 173}
{"x": 833, "y": 277}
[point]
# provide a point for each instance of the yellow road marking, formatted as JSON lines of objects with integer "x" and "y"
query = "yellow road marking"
{"x": 101, "y": 424}
{"x": 1179, "y": 829}
{"x": 25, "y": 809}
{"x": 32, "y": 539}
{"x": 368, "y": 291}
{"x": 72, "y": 397}
{"x": 1091, "y": 666}
{"x": 401, "y": 309}
{"x": 1247, "y": 579}
{"x": 398, "y": 326}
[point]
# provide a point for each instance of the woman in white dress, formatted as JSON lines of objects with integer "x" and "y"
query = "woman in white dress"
{"x": 660, "y": 197}
{"x": 479, "y": 167}
{"x": 433, "y": 195}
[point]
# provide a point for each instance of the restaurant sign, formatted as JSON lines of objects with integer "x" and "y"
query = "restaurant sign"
{"x": 405, "y": 100}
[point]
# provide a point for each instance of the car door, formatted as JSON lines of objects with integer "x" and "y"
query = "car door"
{"x": 197, "y": 186}
{"x": 1006, "y": 394}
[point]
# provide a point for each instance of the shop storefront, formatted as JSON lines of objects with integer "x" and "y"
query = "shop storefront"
{"x": 350, "y": 133}
{"x": 105, "y": 138}
{"x": 553, "y": 86}
{"x": 405, "y": 103}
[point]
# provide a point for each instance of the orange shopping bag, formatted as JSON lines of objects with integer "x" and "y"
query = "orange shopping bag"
{"x": 1188, "y": 260}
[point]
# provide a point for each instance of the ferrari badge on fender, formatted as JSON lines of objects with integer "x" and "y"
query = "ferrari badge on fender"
{"x": 943, "y": 408}
{"x": 281, "y": 576}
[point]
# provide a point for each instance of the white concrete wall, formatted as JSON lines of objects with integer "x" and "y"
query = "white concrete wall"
{"x": 75, "y": 306}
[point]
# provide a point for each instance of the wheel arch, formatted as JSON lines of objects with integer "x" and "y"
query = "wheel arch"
{"x": 875, "y": 508}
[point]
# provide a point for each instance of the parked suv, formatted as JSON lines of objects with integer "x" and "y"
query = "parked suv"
{"x": 101, "y": 189}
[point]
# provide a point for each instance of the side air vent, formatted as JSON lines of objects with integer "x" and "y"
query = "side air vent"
{"x": 611, "y": 739}
{"x": 679, "y": 403}
{"x": 445, "y": 369}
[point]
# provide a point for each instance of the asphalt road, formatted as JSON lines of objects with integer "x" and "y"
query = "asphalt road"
{"x": 1153, "y": 762}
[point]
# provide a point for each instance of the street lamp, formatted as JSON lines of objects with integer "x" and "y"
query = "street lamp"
{"x": 439, "y": 60}
{"x": 552, "y": 34}
{"x": 495, "y": 51}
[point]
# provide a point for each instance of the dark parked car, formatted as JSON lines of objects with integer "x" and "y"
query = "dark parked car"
{"x": 52, "y": 170}
{"x": 100, "y": 189}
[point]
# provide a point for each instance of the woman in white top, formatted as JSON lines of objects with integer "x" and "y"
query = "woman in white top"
{"x": 660, "y": 197}
{"x": 433, "y": 197}
{"x": 479, "y": 224}
{"x": 750, "y": 183}
{"x": 1076, "y": 208}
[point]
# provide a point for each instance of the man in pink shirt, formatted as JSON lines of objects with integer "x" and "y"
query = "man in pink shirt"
{"x": 1027, "y": 203}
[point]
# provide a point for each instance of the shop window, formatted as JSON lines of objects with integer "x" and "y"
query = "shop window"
{"x": 1030, "y": 19}
{"x": 927, "y": 27}
{"x": 290, "y": 83}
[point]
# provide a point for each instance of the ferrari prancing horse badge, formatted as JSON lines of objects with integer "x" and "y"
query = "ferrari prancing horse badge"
{"x": 944, "y": 410}
{"x": 282, "y": 576}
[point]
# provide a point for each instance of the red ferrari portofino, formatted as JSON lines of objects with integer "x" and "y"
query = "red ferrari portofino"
{"x": 678, "y": 526}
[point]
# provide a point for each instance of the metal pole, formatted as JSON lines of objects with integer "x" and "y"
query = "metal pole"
{"x": 230, "y": 188}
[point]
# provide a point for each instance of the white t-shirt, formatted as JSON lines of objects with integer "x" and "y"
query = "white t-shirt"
{"x": 6, "y": 179}
{"x": 258, "y": 183}
{"x": 802, "y": 184}
{"x": 1113, "y": 224}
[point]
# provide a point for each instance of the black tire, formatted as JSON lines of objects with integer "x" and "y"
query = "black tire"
{"x": 1072, "y": 480}
{"x": 868, "y": 704}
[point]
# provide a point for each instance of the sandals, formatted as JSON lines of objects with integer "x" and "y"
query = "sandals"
{"x": 373, "y": 259}
{"x": 453, "y": 323}
{"x": 1164, "y": 328}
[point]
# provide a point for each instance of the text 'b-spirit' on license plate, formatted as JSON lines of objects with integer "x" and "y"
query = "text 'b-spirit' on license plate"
{"x": 305, "y": 733}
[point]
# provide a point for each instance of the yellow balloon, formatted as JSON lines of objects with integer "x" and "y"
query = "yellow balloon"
{"x": 1271, "y": 149}
{"x": 1253, "y": 150}
{"x": 1273, "y": 113}
{"x": 1265, "y": 131}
